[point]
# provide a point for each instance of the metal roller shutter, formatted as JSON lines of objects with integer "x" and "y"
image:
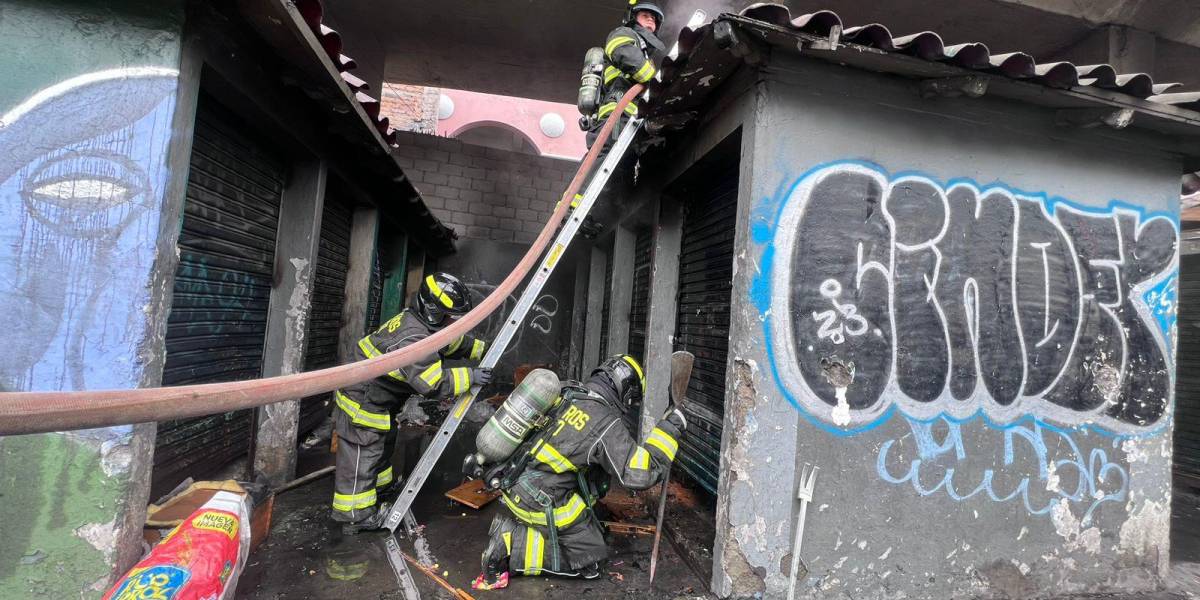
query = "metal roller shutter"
{"x": 1187, "y": 378}
{"x": 608, "y": 274}
{"x": 375, "y": 299}
{"x": 702, "y": 323}
{"x": 222, "y": 289}
{"x": 639, "y": 306}
{"x": 329, "y": 292}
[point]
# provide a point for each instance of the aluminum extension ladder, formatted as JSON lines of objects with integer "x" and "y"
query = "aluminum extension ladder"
{"x": 400, "y": 509}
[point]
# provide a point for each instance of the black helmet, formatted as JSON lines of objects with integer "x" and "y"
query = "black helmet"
{"x": 627, "y": 378}
{"x": 442, "y": 294}
{"x": 636, "y": 5}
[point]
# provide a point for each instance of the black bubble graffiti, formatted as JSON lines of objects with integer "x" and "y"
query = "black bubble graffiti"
{"x": 948, "y": 301}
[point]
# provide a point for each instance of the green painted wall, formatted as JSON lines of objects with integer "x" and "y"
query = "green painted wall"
{"x": 393, "y": 252}
{"x": 86, "y": 115}
{"x": 49, "y": 486}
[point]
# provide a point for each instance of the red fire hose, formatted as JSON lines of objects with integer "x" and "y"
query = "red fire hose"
{"x": 39, "y": 412}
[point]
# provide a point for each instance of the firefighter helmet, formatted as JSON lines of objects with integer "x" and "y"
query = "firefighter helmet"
{"x": 636, "y": 6}
{"x": 627, "y": 378}
{"x": 442, "y": 294}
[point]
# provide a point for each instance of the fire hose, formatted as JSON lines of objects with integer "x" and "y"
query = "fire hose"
{"x": 40, "y": 412}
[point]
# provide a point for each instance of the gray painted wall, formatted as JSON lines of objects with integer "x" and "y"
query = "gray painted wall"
{"x": 1053, "y": 470}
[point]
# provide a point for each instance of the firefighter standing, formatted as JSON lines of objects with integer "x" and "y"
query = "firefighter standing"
{"x": 364, "y": 412}
{"x": 549, "y": 527}
{"x": 627, "y": 61}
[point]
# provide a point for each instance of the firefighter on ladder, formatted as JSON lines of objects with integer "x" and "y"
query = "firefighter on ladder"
{"x": 627, "y": 60}
{"x": 549, "y": 527}
{"x": 364, "y": 412}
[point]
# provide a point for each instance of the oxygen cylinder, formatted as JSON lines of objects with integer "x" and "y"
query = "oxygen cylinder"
{"x": 518, "y": 414}
{"x": 589, "y": 81}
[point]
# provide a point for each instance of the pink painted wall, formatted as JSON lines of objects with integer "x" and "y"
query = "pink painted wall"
{"x": 523, "y": 114}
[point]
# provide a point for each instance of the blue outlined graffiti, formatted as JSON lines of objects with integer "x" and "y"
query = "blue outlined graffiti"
{"x": 1024, "y": 472}
{"x": 1163, "y": 300}
{"x": 959, "y": 300}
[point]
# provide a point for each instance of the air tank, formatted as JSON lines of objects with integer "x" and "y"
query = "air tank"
{"x": 590, "y": 80}
{"x": 514, "y": 419}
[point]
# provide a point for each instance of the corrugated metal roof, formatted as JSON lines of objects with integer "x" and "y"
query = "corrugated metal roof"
{"x": 925, "y": 45}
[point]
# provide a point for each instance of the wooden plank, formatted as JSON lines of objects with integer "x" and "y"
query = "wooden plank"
{"x": 473, "y": 494}
{"x": 629, "y": 528}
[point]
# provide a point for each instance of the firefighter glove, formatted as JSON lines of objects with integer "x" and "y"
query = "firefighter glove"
{"x": 481, "y": 376}
{"x": 675, "y": 417}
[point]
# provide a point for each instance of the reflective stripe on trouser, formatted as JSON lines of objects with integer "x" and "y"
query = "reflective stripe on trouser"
{"x": 529, "y": 550}
{"x": 572, "y": 511}
{"x": 362, "y": 459}
{"x": 384, "y": 477}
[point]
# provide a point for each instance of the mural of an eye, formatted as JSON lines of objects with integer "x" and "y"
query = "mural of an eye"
{"x": 88, "y": 193}
{"x": 84, "y": 193}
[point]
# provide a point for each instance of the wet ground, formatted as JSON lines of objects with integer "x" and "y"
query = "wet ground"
{"x": 306, "y": 556}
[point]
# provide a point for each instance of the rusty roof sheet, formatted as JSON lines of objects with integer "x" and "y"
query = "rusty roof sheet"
{"x": 696, "y": 65}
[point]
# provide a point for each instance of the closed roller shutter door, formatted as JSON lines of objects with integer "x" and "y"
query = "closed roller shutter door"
{"x": 222, "y": 289}
{"x": 329, "y": 292}
{"x": 702, "y": 323}
{"x": 1187, "y": 377}
{"x": 375, "y": 299}
{"x": 608, "y": 273}
{"x": 639, "y": 306}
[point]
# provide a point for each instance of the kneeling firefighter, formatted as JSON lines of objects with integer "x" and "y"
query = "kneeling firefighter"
{"x": 560, "y": 463}
{"x": 365, "y": 411}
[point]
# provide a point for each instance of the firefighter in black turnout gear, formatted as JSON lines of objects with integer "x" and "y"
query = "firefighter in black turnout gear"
{"x": 560, "y": 470}
{"x": 364, "y": 412}
{"x": 627, "y": 61}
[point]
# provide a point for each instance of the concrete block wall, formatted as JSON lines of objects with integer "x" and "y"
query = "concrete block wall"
{"x": 498, "y": 201}
{"x": 484, "y": 193}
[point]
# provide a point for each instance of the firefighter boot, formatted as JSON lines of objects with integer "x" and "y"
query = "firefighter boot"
{"x": 371, "y": 523}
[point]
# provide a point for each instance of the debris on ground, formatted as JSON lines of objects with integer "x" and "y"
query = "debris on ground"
{"x": 473, "y": 494}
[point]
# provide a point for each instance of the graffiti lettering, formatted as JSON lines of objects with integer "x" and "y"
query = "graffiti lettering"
{"x": 956, "y": 299}
{"x": 544, "y": 309}
{"x": 1025, "y": 471}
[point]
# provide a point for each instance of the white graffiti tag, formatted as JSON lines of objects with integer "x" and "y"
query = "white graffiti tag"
{"x": 831, "y": 328}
